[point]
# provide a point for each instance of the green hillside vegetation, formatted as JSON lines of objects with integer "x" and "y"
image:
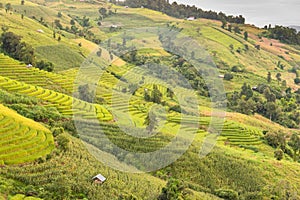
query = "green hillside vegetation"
{"x": 57, "y": 185}
{"x": 256, "y": 155}
{"x": 63, "y": 54}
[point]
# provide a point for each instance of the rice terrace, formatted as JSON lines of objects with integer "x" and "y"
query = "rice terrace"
{"x": 146, "y": 99}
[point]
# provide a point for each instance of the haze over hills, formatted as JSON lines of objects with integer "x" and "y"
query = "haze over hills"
{"x": 296, "y": 27}
{"x": 259, "y": 13}
{"x": 160, "y": 106}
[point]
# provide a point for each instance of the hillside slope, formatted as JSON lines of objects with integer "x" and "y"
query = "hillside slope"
{"x": 241, "y": 165}
{"x": 63, "y": 54}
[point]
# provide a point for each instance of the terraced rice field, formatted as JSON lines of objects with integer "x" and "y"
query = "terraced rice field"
{"x": 19, "y": 142}
{"x": 15, "y": 70}
{"x": 65, "y": 104}
{"x": 108, "y": 82}
{"x": 238, "y": 135}
{"x": 230, "y": 132}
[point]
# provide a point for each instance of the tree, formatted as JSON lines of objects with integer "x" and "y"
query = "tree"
{"x": 25, "y": 53}
{"x": 276, "y": 140}
{"x": 156, "y": 95}
{"x": 284, "y": 83}
{"x": 103, "y": 12}
{"x": 12, "y": 45}
{"x": 109, "y": 43}
{"x": 74, "y": 29}
{"x": 4, "y": 28}
{"x": 44, "y": 65}
{"x": 173, "y": 190}
{"x": 297, "y": 80}
{"x": 237, "y": 30}
{"x": 170, "y": 93}
{"x": 278, "y": 154}
{"x": 246, "y": 107}
{"x": 272, "y": 110}
{"x": 99, "y": 52}
{"x": 85, "y": 94}
{"x": 133, "y": 55}
{"x": 269, "y": 95}
{"x": 58, "y": 24}
{"x": 63, "y": 142}
{"x": 246, "y": 35}
{"x": 193, "y": 55}
{"x": 124, "y": 41}
{"x": 269, "y": 77}
{"x": 146, "y": 95}
{"x": 72, "y": 22}
{"x": 224, "y": 23}
{"x": 294, "y": 143}
{"x": 246, "y": 91}
{"x": 278, "y": 77}
{"x": 8, "y": 7}
{"x": 151, "y": 122}
{"x": 228, "y": 76}
{"x": 133, "y": 87}
{"x": 9, "y": 42}
{"x": 230, "y": 27}
{"x": 59, "y": 14}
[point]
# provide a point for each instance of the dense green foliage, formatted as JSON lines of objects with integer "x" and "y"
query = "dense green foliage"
{"x": 182, "y": 11}
{"x": 12, "y": 45}
{"x": 278, "y": 104}
{"x": 173, "y": 190}
{"x": 285, "y": 34}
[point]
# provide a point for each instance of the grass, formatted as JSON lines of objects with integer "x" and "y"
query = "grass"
{"x": 60, "y": 55}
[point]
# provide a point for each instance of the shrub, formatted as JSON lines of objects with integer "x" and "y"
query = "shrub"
{"x": 236, "y": 69}
{"x": 63, "y": 142}
{"x": 272, "y": 139}
{"x": 57, "y": 131}
{"x": 278, "y": 154}
{"x": 227, "y": 194}
{"x": 45, "y": 65}
{"x": 173, "y": 190}
{"x": 228, "y": 76}
{"x": 253, "y": 196}
{"x": 175, "y": 108}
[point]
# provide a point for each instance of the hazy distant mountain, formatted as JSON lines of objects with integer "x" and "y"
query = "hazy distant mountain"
{"x": 296, "y": 27}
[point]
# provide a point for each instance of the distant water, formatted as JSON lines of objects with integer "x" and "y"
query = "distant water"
{"x": 258, "y": 12}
